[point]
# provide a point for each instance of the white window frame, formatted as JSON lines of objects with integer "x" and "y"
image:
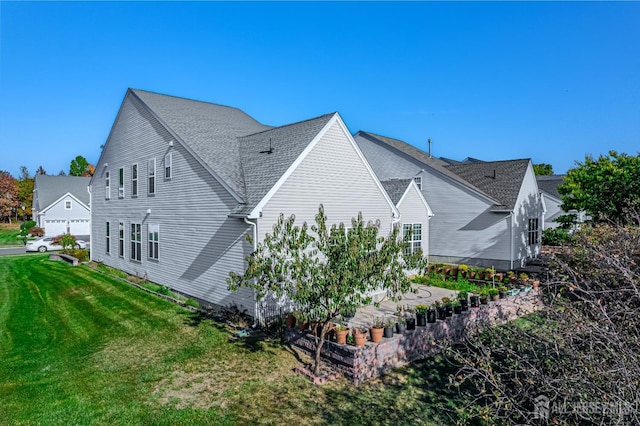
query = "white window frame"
{"x": 107, "y": 185}
{"x": 168, "y": 166}
{"x": 121, "y": 182}
{"x": 68, "y": 203}
{"x": 153, "y": 239}
{"x": 418, "y": 181}
{"x": 151, "y": 173}
{"x": 136, "y": 242}
{"x": 108, "y": 238}
{"x": 415, "y": 243}
{"x": 533, "y": 231}
{"x": 134, "y": 180}
{"x": 121, "y": 239}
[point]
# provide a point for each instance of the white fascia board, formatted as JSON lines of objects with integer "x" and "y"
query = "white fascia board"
{"x": 255, "y": 213}
{"x": 68, "y": 194}
{"x": 413, "y": 185}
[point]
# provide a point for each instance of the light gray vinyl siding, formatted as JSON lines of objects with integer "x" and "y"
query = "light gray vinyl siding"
{"x": 528, "y": 206}
{"x": 198, "y": 243}
{"x": 332, "y": 174}
{"x": 413, "y": 210}
{"x": 463, "y": 229}
{"x": 553, "y": 211}
{"x": 77, "y": 218}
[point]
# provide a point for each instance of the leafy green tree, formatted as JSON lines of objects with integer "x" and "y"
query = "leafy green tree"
{"x": 8, "y": 195}
{"x": 606, "y": 188}
{"x": 40, "y": 171}
{"x": 543, "y": 169}
{"x": 327, "y": 270}
{"x": 25, "y": 191}
{"x": 78, "y": 166}
{"x": 67, "y": 241}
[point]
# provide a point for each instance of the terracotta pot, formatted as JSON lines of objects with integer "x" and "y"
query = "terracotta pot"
{"x": 495, "y": 297}
{"x": 290, "y": 321}
{"x": 359, "y": 337}
{"x": 341, "y": 336}
{"x": 376, "y": 334}
{"x": 536, "y": 284}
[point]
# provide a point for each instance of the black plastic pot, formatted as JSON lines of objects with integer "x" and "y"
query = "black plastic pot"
{"x": 448, "y": 310}
{"x": 431, "y": 316}
{"x": 388, "y": 332}
{"x": 503, "y": 294}
{"x": 457, "y": 310}
{"x": 400, "y": 327}
{"x": 442, "y": 313}
{"x": 421, "y": 319}
{"x": 484, "y": 300}
{"x": 464, "y": 304}
{"x": 475, "y": 301}
{"x": 411, "y": 323}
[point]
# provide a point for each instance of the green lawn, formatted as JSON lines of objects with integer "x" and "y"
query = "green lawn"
{"x": 78, "y": 347}
{"x": 9, "y": 234}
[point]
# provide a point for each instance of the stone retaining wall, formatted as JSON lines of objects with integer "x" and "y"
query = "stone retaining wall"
{"x": 375, "y": 359}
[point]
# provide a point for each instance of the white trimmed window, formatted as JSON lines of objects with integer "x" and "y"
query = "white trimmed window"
{"x": 154, "y": 240}
{"x": 136, "y": 242}
{"x": 67, "y": 205}
{"x": 107, "y": 186}
{"x": 533, "y": 231}
{"x": 121, "y": 183}
{"x": 134, "y": 180}
{"x": 121, "y": 239}
{"x": 167, "y": 166}
{"x": 108, "y": 238}
{"x": 415, "y": 241}
{"x": 151, "y": 167}
{"x": 418, "y": 181}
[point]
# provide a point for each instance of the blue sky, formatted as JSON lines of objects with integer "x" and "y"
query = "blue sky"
{"x": 503, "y": 80}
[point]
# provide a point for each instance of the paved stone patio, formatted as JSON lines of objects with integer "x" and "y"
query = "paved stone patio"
{"x": 426, "y": 295}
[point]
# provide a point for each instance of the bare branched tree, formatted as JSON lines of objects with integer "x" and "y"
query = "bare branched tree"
{"x": 578, "y": 360}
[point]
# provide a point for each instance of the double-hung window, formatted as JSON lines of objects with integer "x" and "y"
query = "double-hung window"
{"x": 134, "y": 180}
{"x": 151, "y": 168}
{"x": 121, "y": 182}
{"x": 136, "y": 242}
{"x": 107, "y": 186}
{"x": 415, "y": 240}
{"x": 533, "y": 231}
{"x": 418, "y": 181}
{"x": 108, "y": 238}
{"x": 167, "y": 166}
{"x": 121, "y": 239}
{"x": 154, "y": 240}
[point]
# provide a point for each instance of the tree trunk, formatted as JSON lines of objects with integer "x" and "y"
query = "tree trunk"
{"x": 319, "y": 343}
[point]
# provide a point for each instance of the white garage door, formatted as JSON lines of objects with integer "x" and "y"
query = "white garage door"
{"x": 55, "y": 227}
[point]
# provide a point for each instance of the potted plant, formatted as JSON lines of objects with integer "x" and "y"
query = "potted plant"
{"x": 494, "y": 294}
{"x": 421, "y": 315}
{"x": 463, "y": 297}
{"x": 359, "y": 337}
{"x": 523, "y": 278}
{"x": 512, "y": 276}
{"x": 463, "y": 270}
{"x": 457, "y": 306}
{"x": 441, "y": 312}
{"x": 502, "y": 291}
{"x": 411, "y": 320}
{"x": 448, "y": 308}
{"x": 431, "y": 315}
{"x": 474, "y": 300}
{"x": 376, "y": 330}
{"x": 484, "y": 295}
{"x": 401, "y": 325}
{"x": 341, "y": 332}
{"x": 389, "y": 327}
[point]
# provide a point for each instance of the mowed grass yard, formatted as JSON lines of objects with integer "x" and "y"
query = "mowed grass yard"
{"x": 79, "y": 347}
{"x": 9, "y": 234}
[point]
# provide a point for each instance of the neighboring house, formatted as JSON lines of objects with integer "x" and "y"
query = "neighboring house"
{"x": 61, "y": 205}
{"x": 548, "y": 185}
{"x": 414, "y": 212}
{"x": 181, "y": 183}
{"x": 484, "y": 213}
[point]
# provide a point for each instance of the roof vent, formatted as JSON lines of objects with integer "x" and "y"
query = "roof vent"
{"x": 494, "y": 175}
{"x": 268, "y": 151}
{"x": 429, "y": 140}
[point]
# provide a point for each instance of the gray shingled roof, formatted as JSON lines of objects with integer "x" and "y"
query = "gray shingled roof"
{"x": 262, "y": 169}
{"x": 424, "y": 158}
{"x": 396, "y": 188}
{"x": 50, "y": 188}
{"x": 232, "y": 143}
{"x": 549, "y": 184}
{"x": 210, "y": 130}
{"x": 502, "y": 180}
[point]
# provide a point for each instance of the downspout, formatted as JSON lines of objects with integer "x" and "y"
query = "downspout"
{"x": 511, "y": 241}
{"x": 90, "y": 221}
{"x": 254, "y": 225}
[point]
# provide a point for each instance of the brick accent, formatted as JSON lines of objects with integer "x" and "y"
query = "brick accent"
{"x": 375, "y": 359}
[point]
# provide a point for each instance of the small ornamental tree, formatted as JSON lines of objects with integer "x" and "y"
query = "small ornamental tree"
{"x": 67, "y": 241}
{"x": 327, "y": 270}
